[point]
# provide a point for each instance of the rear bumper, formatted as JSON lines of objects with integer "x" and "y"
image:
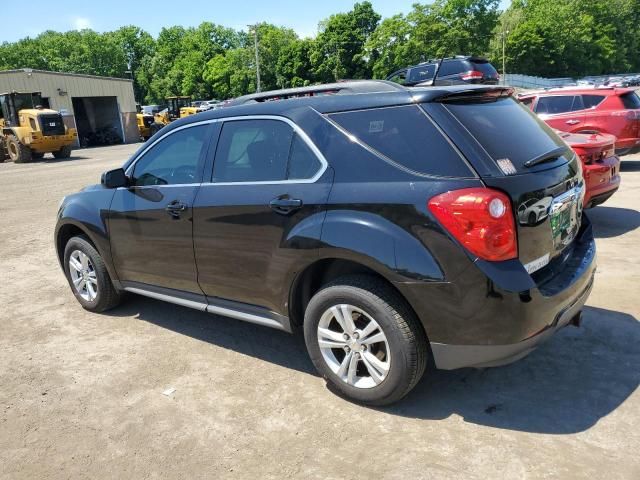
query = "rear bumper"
{"x": 450, "y": 357}
{"x": 495, "y": 315}
{"x": 602, "y": 179}
{"x": 52, "y": 143}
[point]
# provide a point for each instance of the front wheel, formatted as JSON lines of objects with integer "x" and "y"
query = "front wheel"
{"x": 364, "y": 340}
{"x": 64, "y": 152}
{"x": 88, "y": 276}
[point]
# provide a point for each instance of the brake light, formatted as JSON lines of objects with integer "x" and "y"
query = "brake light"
{"x": 481, "y": 219}
{"x": 471, "y": 75}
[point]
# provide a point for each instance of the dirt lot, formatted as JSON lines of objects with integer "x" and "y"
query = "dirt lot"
{"x": 81, "y": 394}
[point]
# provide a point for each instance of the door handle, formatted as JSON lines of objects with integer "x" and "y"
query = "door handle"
{"x": 175, "y": 208}
{"x": 285, "y": 205}
{"x": 572, "y": 122}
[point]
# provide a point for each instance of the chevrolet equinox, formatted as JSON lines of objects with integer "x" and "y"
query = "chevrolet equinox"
{"x": 389, "y": 223}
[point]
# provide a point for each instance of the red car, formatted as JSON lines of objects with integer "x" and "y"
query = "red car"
{"x": 615, "y": 111}
{"x": 601, "y": 166}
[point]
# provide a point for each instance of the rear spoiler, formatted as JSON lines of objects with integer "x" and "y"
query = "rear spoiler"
{"x": 488, "y": 94}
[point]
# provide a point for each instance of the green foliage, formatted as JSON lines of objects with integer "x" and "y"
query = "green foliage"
{"x": 545, "y": 37}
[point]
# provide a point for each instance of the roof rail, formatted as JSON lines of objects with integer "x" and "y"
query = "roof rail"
{"x": 343, "y": 87}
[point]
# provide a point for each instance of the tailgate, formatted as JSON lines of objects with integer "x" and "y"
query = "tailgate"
{"x": 514, "y": 151}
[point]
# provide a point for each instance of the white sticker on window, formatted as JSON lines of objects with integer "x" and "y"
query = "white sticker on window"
{"x": 376, "y": 126}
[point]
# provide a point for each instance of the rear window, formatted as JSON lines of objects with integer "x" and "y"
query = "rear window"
{"x": 485, "y": 68}
{"x": 452, "y": 67}
{"x": 407, "y": 137}
{"x": 506, "y": 129}
{"x": 630, "y": 100}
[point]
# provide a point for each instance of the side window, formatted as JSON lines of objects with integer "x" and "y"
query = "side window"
{"x": 451, "y": 67}
{"x": 262, "y": 151}
{"x": 175, "y": 159}
{"x": 406, "y": 136}
{"x": 422, "y": 73}
{"x": 577, "y": 103}
{"x": 554, "y": 104}
{"x": 399, "y": 77}
{"x": 591, "y": 101}
{"x": 527, "y": 102}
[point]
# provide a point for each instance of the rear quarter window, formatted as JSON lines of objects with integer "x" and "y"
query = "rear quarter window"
{"x": 407, "y": 137}
{"x": 630, "y": 100}
{"x": 591, "y": 101}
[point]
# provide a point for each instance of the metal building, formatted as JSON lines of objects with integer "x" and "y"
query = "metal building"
{"x": 102, "y": 109}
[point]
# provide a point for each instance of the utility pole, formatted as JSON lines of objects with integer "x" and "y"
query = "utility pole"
{"x": 255, "y": 43}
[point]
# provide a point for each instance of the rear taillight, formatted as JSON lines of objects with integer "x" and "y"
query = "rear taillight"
{"x": 472, "y": 75}
{"x": 481, "y": 219}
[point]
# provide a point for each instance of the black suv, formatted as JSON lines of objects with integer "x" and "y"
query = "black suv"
{"x": 384, "y": 221}
{"x": 451, "y": 71}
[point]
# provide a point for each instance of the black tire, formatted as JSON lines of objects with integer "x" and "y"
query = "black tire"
{"x": 406, "y": 338}
{"x": 107, "y": 296}
{"x": 37, "y": 155}
{"x": 64, "y": 152}
{"x": 18, "y": 152}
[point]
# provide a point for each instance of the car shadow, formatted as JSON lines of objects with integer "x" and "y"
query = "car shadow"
{"x": 261, "y": 342}
{"x": 566, "y": 386}
{"x": 630, "y": 165}
{"x": 613, "y": 221}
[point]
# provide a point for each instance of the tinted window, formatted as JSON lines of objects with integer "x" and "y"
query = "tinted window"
{"x": 262, "y": 151}
{"x": 486, "y": 68}
{"x": 591, "y": 101}
{"x": 303, "y": 163}
{"x": 506, "y": 129}
{"x": 554, "y": 104}
{"x": 173, "y": 160}
{"x": 452, "y": 67}
{"x": 527, "y": 102}
{"x": 406, "y": 136}
{"x": 422, "y": 73}
{"x": 630, "y": 100}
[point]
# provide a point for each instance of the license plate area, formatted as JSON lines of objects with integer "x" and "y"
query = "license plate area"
{"x": 565, "y": 215}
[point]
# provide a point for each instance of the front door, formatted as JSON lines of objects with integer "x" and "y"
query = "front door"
{"x": 260, "y": 217}
{"x": 562, "y": 112}
{"x": 150, "y": 222}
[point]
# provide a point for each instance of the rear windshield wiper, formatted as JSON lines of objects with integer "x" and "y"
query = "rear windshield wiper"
{"x": 545, "y": 157}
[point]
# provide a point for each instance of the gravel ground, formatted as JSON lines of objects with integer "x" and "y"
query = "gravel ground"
{"x": 81, "y": 395}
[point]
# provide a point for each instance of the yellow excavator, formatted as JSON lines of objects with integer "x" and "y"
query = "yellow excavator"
{"x": 29, "y": 131}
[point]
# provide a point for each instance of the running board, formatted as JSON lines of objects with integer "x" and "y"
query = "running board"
{"x": 225, "y": 308}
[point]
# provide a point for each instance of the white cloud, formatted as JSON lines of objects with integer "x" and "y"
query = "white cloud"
{"x": 80, "y": 23}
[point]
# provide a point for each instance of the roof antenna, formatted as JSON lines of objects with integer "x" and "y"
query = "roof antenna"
{"x": 435, "y": 75}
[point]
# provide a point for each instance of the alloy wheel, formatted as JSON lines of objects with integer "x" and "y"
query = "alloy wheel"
{"x": 83, "y": 275}
{"x": 354, "y": 346}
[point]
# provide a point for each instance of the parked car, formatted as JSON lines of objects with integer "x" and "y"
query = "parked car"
{"x": 615, "y": 111}
{"x": 379, "y": 219}
{"x": 600, "y": 164}
{"x": 151, "y": 109}
{"x": 453, "y": 71}
{"x": 208, "y": 105}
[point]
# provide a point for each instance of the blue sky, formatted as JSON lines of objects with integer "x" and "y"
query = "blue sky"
{"x": 101, "y": 15}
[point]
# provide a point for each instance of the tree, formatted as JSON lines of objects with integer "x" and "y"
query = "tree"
{"x": 338, "y": 51}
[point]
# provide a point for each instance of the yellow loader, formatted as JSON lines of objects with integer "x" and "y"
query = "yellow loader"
{"x": 29, "y": 131}
{"x": 177, "y": 107}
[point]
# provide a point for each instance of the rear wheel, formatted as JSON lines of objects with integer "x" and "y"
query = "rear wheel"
{"x": 364, "y": 340}
{"x": 155, "y": 128}
{"x": 18, "y": 152}
{"x": 88, "y": 276}
{"x": 37, "y": 154}
{"x": 64, "y": 152}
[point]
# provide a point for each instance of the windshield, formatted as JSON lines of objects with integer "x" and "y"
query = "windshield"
{"x": 23, "y": 101}
{"x": 506, "y": 129}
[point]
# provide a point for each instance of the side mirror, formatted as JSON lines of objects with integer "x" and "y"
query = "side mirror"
{"x": 114, "y": 178}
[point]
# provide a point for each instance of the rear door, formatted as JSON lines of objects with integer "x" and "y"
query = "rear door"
{"x": 562, "y": 112}
{"x": 258, "y": 219}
